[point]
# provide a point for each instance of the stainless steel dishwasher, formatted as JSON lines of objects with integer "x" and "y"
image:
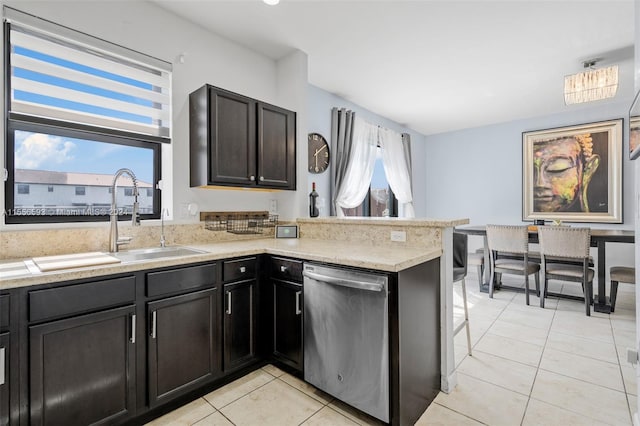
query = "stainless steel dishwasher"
{"x": 346, "y": 336}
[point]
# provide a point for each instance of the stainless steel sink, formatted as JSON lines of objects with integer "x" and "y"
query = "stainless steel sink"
{"x": 155, "y": 253}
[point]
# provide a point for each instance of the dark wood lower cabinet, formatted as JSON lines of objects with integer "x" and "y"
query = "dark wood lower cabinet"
{"x": 183, "y": 348}
{"x": 239, "y": 324}
{"x": 82, "y": 369}
{"x": 5, "y": 368}
{"x": 287, "y": 323}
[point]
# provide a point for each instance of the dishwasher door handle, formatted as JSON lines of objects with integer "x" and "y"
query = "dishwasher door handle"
{"x": 344, "y": 282}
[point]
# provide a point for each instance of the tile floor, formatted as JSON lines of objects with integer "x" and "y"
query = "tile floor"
{"x": 530, "y": 366}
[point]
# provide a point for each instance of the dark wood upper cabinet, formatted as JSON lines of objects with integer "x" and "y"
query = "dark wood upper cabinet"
{"x": 276, "y": 147}
{"x": 239, "y": 141}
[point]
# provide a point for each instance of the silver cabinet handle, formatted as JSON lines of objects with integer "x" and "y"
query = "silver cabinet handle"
{"x": 154, "y": 322}
{"x": 261, "y": 178}
{"x": 228, "y": 311}
{"x": 252, "y": 178}
{"x": 298, "y": 310}
{"x": 283, "y": 268}
{"x": 243, "y": 269}
{"x": 2, "y": 362}
{"x": 133, "y": 328}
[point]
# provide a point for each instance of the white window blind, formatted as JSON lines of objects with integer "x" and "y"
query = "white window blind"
{"x": 61, "y": 74}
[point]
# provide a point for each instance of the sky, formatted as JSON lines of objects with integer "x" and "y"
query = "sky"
{"x": 60, "y": 154}
{"x": 55, "y": 153}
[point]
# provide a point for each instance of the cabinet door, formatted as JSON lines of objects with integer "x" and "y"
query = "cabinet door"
{"x": 82, "y": 369}
{"x": 5, "y": 368}
{"x": 183, "y": 344}
{"x": 287, "y": 323}
{"x": 232, "y": 147}
{"x": 239, "y": 324}
{"x": 276, "y": 147}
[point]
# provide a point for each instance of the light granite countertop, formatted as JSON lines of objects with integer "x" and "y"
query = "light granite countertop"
{"x": 14, "y": 274}
{"x": 386, "y": 221}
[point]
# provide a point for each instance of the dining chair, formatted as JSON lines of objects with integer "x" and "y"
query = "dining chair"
{"x": 477, "y": 259}
{"x": 620, "y": 274}
{"x": 566, "y": 242}
{"x": 460, "y": 242}
{"x": 513, "y": 240}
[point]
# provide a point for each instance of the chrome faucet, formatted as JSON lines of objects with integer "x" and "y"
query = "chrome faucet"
{"x": 114, "y": 240}
{"x": 163, "y": 241}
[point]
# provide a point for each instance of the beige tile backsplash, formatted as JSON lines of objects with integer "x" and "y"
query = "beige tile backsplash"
{"x": 32, "y": 243}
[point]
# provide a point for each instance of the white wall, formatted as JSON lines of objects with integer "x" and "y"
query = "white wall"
{"x": 477, "y": 173}
{"x": 636, "y": 77}
{"x": 209, "y": 58}
{"x": 319, "y": 116}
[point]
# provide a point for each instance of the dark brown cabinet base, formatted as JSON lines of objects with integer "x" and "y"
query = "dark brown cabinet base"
{"x": 239, "y": 325}
{"x": 82, "y": 369}
{"x": 5, "y": 368}
{"x": 287, "y": 323}
{"x": 163, "y": 337}
{"x": 183, "y": 344}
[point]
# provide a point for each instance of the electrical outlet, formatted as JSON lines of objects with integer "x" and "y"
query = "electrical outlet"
{"x": 399, "y": 236}
{"x": 273, "y": 206}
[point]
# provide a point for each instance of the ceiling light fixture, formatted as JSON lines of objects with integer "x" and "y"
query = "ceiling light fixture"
{"x": 271, "y": 2}
{"x": 592, "y": 84}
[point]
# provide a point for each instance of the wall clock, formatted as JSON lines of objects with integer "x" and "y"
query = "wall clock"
{"x": 318, "y": 153}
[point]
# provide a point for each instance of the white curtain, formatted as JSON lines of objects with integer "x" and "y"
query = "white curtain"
{"x": 396, "y": 169}
{"x": 355, "y": 183}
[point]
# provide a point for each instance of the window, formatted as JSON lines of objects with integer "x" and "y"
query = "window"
{"x": 80, "y": 108}
{"x": 380, "y": 201}
{"x": 23, "y": 189}
{"x": 128, "y": 192}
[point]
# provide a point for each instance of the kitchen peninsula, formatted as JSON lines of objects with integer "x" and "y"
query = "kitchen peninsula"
{"x": 156, "y": 288}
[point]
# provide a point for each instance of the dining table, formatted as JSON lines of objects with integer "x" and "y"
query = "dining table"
{"x": 599, "y": 239}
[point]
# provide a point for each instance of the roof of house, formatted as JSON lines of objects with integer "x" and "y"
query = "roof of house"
{"x": 47, "y": 177}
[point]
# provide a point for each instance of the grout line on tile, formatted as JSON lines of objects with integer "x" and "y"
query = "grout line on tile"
{"x": 306, "y": 394}
{"x": 493, "y": 384}
{"x": 564, "y": 407}
{"x": 457, "y": 412}
{"x": 624, "y": 384}
{"x": 243, "y": 395}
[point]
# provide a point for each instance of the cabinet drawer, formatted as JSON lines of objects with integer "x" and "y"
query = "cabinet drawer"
{"x": 4, "y": 312}
{"x": 80, "y": 298}
{"x": 176, "y": 280}
{"x": 286, "y": 269}
{"x": 235, "y": 270}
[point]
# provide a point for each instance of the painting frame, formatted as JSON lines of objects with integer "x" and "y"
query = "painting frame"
{"x": 634, "y": 128}
{"x": 593, "y": 193}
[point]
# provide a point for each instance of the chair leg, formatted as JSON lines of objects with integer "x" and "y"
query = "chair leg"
{"x": 466, "y": 315}
{"x": 526, "y": 288}
{"x": 587, "y": 297}
{"x": 480, "y": 275}
{"x": 614, "y": 294}
{"x": 543, "y": 292}
{"x": 537, "y": 277}
{"x": 491, "y": 279}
